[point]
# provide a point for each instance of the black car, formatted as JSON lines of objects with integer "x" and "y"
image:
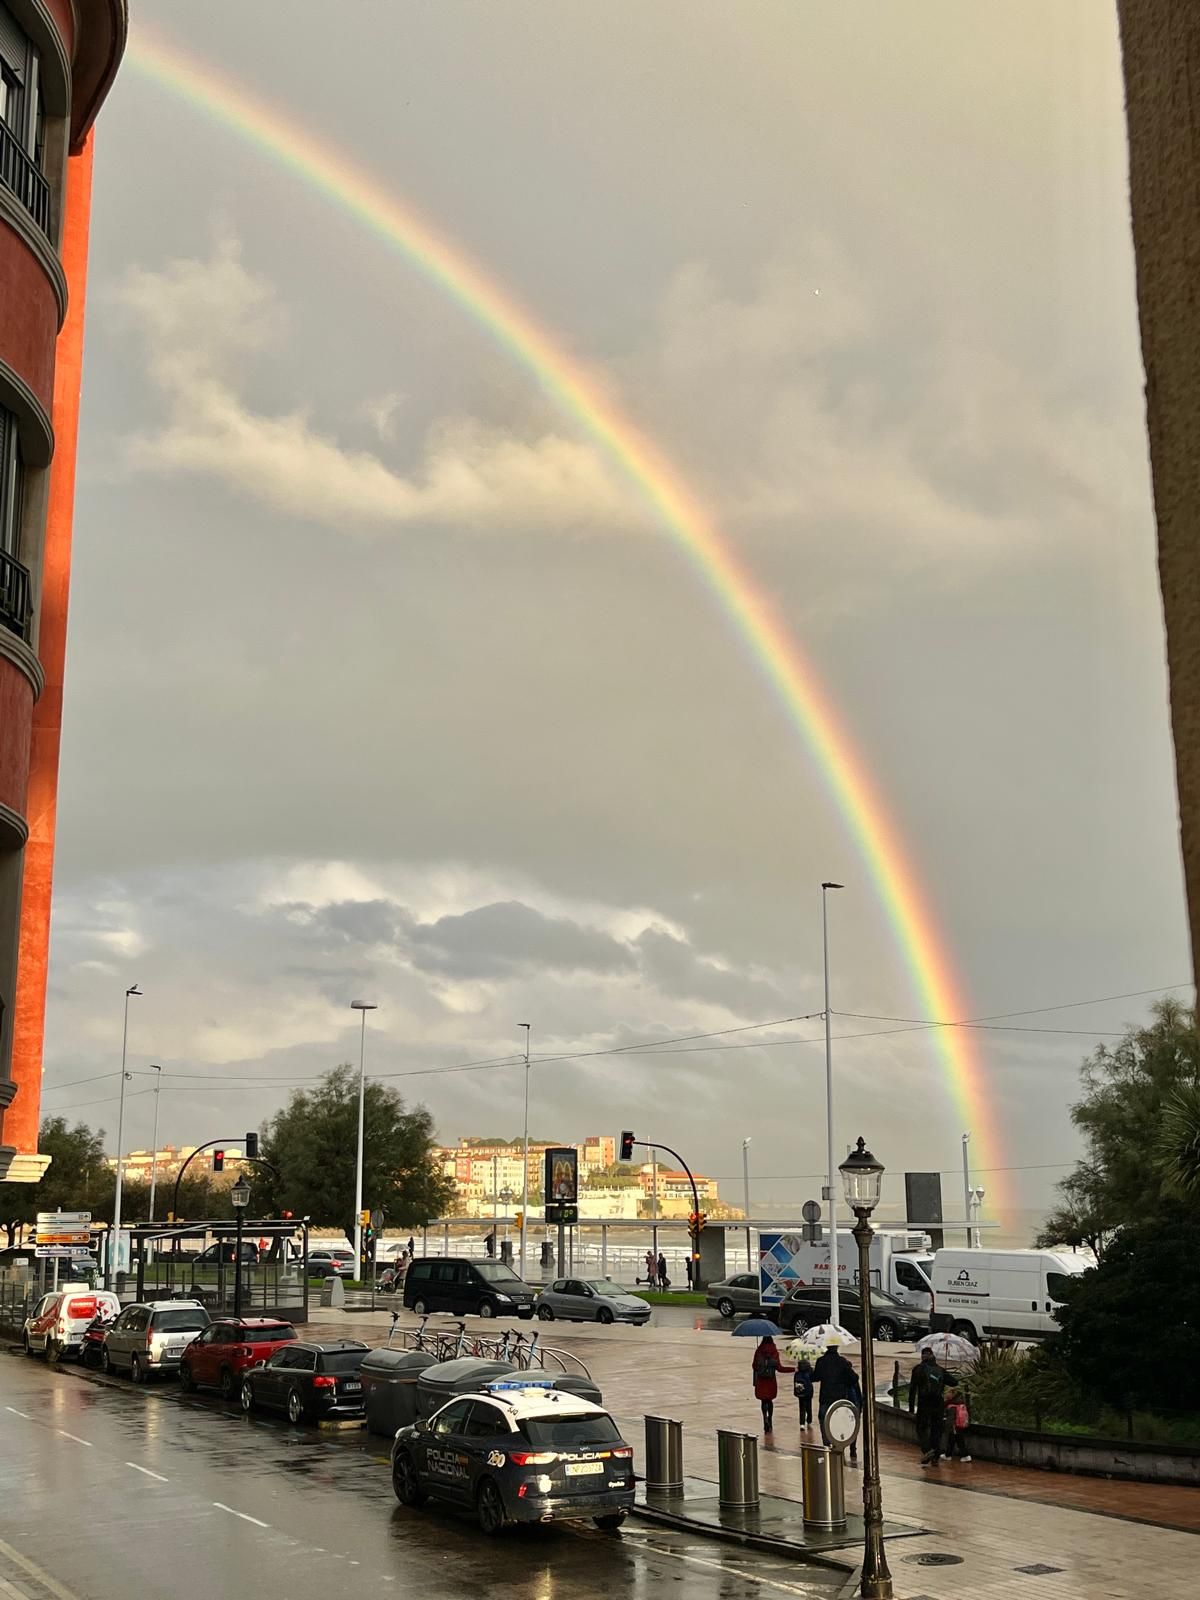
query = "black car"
{"x": 518, "y": 1451}
{"x": 891, "y": 1319}
{"x": 309, "y": 1381}
{"x": 489, "y": 1288}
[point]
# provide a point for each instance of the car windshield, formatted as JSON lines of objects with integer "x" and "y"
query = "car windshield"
{"x": 563, "y": 1432}
{"x": 881, "y": 1297}
{"x": 265, "y": 1335}
{"x": 605, "y": 1286}
{"x": 496, "y": 1272}
{"x": 180, "y": 1321}
{"x": 344, "y": 1361}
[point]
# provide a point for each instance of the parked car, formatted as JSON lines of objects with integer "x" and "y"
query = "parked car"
{"x": 152, "y": 1337}
{"x": 222, "y": 1353}
{"x": 518, "y": 1452}
{"x": 58, "y": 1322}
{"x": 733, "y": 1295}
{"x": 308, "y": 1380}
{"x": 331, "y": 1262}
{"x": 438, "y": 1283}
{"x": 891, "y": 1320}
{"x": 590, "y": 1300}
{"x": 227, "y": 1250}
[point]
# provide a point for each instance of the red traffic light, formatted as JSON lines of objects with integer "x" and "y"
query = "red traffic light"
{"x": 218, "y": 1160}
{"x": 626, "y": 1144}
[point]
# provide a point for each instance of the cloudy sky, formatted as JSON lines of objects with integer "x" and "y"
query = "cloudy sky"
{"x": 385, "y": 684}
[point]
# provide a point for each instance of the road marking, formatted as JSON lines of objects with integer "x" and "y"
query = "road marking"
{"x": 718, "y": 1566}
{"x": 244, "y": 1515}
{"x": 34, "y": 1571}
{"x": 74, "y": 1437}
{"x": 17, "y": 1413}
{"x": 147, "y": 1471}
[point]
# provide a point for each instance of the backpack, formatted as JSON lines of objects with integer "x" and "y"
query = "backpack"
{"x": 764, "y": 1366}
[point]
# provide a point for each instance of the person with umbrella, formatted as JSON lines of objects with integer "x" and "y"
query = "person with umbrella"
{"x": 927, "y": 1397}
{"x": 838, "y": 1381}
{"x": 767, "y": 1363}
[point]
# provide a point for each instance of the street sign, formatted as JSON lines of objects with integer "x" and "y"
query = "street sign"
{"x": 810, "y": 1211}
{"x": 47, "y": 1252}
{"x": 377, "y": 1220}
{"x": 69, "y": 1218}
{"x": 70, "y": 1236}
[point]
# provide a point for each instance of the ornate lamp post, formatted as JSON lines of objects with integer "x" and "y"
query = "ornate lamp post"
{"x": 862, "y": 1178}
{"x": 239, "y": 1197}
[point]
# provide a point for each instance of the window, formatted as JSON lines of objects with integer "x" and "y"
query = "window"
{"x": 420, "y": 1271}
{"x": 180, "y": 1321}
{"x": 284, "y": 1358}
{"x": 562, "y": 1432}
{"x": 262, "y": 1335}
{"x": 486, "y": 1421}
{"x": 18, "y": 81}
{"x": 453, "y": 1418}
{"x": 11, "y": 480}
{"x": 1058, "y": 1286}
{"x": 910, "y": 1276}
{"x": 345, "y": 1362}
{"x": 496, "y": 1272}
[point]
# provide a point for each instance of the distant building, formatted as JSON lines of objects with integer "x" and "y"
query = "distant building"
{"x": 482, "y": 1170}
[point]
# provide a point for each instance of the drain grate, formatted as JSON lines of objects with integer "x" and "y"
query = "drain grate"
{"x": 934, "y": 1558}
{"x": 1039, "y": 1569}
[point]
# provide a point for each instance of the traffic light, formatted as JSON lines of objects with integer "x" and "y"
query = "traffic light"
{"x": 218, "y": 1161}
{"x": 286, "y": 1215}
{"x": 626, "y": 1144}
{"x": 701, "y": 1221}
{"x": 251, "y": 1147}
{"x": 364, "y": 1219}
{"x": 519, "y": 1221}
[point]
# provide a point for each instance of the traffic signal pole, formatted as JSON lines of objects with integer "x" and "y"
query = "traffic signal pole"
{"x": 627, "y": 1143}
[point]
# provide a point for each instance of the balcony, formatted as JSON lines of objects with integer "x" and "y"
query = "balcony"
{"x": 16, "y": 608}
{"x": 19, "y": 174}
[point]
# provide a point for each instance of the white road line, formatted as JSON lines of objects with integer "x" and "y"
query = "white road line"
{"x": 244, "y": 1515}
{"x": 17, "y": 1413}
{"x": 718, "y": 1566}
{"x": 147, "y": 1471}
{"x": 74, "y": 1437}
{"x": 36, "y": 1572}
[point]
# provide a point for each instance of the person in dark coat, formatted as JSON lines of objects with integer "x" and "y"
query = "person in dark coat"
{"x": 802, "y": 1388}
{"x": 663, "y": 1281}
{"x": 838, "y": 1381}
{"x": 927, "y": 1397}
{"x": 767, "y": 1363}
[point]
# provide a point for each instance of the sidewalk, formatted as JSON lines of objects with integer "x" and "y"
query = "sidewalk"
{"x": 1009, "y": 1532}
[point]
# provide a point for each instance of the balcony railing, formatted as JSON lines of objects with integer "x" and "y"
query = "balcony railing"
{"x": 20, "y": 174}
{"x": 16, "y": 608}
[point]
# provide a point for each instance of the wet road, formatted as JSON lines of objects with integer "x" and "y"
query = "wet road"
{"x": 111, "y": 1492}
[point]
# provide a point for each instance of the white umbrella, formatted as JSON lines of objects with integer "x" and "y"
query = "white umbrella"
{"x": 802, "y": 1349}
{"x": 827, "y": 1333}
{"x": 949, "y": 1347}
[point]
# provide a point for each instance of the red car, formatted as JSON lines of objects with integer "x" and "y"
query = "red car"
{"x": 218, "y": 1357}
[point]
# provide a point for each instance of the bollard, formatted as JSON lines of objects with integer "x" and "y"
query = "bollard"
{"x": 664, "y": 1455}
{"x": 737, "y": 1470}
{"x": 823, "y": 1488}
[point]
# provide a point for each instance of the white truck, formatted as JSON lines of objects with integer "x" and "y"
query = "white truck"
{"x": 900, "y": 1262}
{"x": 1006, "y": 1294}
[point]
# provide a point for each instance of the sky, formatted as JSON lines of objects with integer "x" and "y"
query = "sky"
{"x": 384, "y": 683}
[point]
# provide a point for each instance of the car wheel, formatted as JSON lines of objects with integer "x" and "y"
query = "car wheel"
{"x": 545, "y": 1313}
{"x": 490, "y": 1508}
{"x": 726, "y": 1308}
{"x": 886, "y": 1331}
{"x": 105, "y": 1360}
{"x": 420, "y": 1309}
{"x": 228, "y": 1384}
{"x": 25, "y": 1343}
{"x": 405, "y": 1481}
{"x": 965, "y": 1330}
{"x": 247, "y": 1397}
{"x": 53, "y": 1350}
{"x": 295, "y": 1406}
{"x": 487, "y": 1308}
{"x": 186, "y": 1382}
{"x": 604, "y": 1315}
{"x": 610, "y": 1521}
{"x": 136, "y": 1371}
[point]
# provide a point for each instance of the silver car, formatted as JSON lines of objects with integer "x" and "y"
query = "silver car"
{"x": 590, "y": 1300}
{"x": 736, "y": 1294}
{"x": 152, "y": 1337}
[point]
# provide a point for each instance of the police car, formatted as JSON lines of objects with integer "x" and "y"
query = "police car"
{"x": 518, "y": 1451}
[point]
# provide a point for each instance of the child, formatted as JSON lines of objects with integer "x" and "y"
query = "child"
{"x": 957, "y": 1422}
{"x": 802, "y": 1388}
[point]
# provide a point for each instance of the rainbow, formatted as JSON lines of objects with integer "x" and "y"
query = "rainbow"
{"x": 321, "y": 167}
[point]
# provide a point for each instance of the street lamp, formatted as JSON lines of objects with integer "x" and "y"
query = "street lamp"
{"x": 830, "y": 1190}
{"x": 114, "y": 1240}
{"x": 746, "y": 1183}
{"x": 154, "y": 1142}
{"x": 239, "y": 1197}
{"x": 525, "y": 1152}
{"x": 363, "y": 1006}
{"x": 976, "y": 1200}
{"x": 862, "y": 1177}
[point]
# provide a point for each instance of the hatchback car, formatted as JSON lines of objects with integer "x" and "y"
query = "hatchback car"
{"x": 732, "y": 1295}
{"x": 332, "y": 1262}
{"x": 518, "y": 1451}
{"x": 58, "y": 1322}
{"x": 226, "y": 1250}
{"x": 590, "y": 1300}
{"x": 891, "y": 1320}
{"x": 151, "y": 1338}
{"x": 489, "y": 1288}
{"x": 309, "y": 1380}
{"x": 222, "y": 1353}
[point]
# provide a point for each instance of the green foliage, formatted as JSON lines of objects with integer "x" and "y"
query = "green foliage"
{"x": 76, "y": 1180}
{"x": 313, "y": 1141}
{"x": 1179, "y": 1142}
{"x": 617, "y": 1175}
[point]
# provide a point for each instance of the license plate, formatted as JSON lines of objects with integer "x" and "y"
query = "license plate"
{"x": 352, "y": 1388}
{"x": 580, "y": 1469}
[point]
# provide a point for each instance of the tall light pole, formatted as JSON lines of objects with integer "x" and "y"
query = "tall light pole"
{"x": 746, "y": 1183}
{"x": 363, "y": 1006}
{"x": 114, "y": 1242}
{"x": 525, "y": 1163}
{"x": 966, "y": 1139}
{"x": 831, "y": 1188}
{"x": 154, "y": 1142}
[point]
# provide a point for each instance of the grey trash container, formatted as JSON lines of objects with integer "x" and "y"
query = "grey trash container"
{"x": 464, "y": 1375}
{"x": 737, "y": 1470}
{"x": 664, "y": 1455}
{"x": 573, "y": 1383}
{"x": 390, "y": 1387}
{"x": 823, "y": 1487}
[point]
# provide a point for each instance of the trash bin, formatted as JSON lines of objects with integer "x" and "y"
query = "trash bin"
{"x": 664, "y": 1455}
{"x": 823, "y": 1488}
{"x": 464, "y": 1375}
{"x": 506, "y": 1252}
{"x": 547, "y": 1256}
{"x": 737, "y": 1470}
{"x": 390, "y": 1387}
{"x": 573, "y": 1383}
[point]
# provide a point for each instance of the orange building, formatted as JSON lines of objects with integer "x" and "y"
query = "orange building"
{"x": 58, "y": 59}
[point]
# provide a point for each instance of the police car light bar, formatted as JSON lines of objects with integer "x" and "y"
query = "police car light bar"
{"x": 503, "y": 1384}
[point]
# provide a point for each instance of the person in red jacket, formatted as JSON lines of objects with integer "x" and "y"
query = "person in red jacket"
{"x": 767, "y": 1363}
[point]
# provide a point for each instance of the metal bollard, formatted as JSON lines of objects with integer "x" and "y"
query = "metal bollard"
{"x": 664, "y": 1455}
{"x": 737, "y": 1470}
{"x": 823, "y": 1487}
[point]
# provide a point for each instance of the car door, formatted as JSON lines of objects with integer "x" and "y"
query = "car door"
{"x": 266, "y": 1381}
{"x": 131, "y": 1334}
{"x": 745, "y": 1291}
{"x": 447, "y": 1451}
{"x": 578, "y": 1300}
{"x": 469, "y": 1289}
{"x": 41, "y": 1321}
{"x": 295, "y": 1371}
{"x": 199, "y": 1355}
{"x": 488, "y": 1435}
{"x": 911, "y": 1287}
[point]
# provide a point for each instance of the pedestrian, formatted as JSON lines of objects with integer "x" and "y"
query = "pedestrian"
{"x": 412, "y": 1247}
{"x": 958, "y": 1420}
{"x": 927, "y": 1397}
{"x": 663, "y": 1281}
{"x": 489, "y": 1242}
{"x": 838, "y": 1381}
{"x": 651, "y": 1269}
{"x": 802, "y": 1388}
{"x": 767, "y": 1364}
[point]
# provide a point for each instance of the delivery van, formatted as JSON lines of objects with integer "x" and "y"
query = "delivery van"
{"x": 1006, "y": 1294}
{"x": 899, "y": 1263}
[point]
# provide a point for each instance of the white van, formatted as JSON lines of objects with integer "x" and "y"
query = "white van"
{"x": 1009, "y": 1294}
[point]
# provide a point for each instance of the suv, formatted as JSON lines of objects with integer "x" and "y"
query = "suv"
{"x": 226, "y": 1250}
{"x": 437, "y": 1283}
{"x": 308, "y": 1380}
{"x": 152, "y": 1337}
{"x": 223, "y": 1352}
{"x": 891, "y": 1320}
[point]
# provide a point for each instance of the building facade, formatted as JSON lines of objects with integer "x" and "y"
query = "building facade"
{"x": 482, "y": 1170}
{"x": 58, "y": 59}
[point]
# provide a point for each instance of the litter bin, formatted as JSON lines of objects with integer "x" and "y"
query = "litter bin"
{"x": 824, "y": 1490}
{"x": 506, "y": 1253}
{"x": 547, "y": 1258}
{"x": 737, "y": 1470}
{"x": 573, "y": 1383}
{"x": 390, "y": 1387}
{"x": 464, "y": 1375}
{"x": 664, "y": 1455}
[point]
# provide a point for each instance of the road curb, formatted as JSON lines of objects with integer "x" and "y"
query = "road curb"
{"x": 753, "y": 1541}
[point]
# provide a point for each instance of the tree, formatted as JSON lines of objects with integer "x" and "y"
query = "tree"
{"x": 313, "y": 1143}
{"x": 1179, "y": 1142}
{"x": 1125, "y": 1113}
{"x": 77, "y": 1179}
